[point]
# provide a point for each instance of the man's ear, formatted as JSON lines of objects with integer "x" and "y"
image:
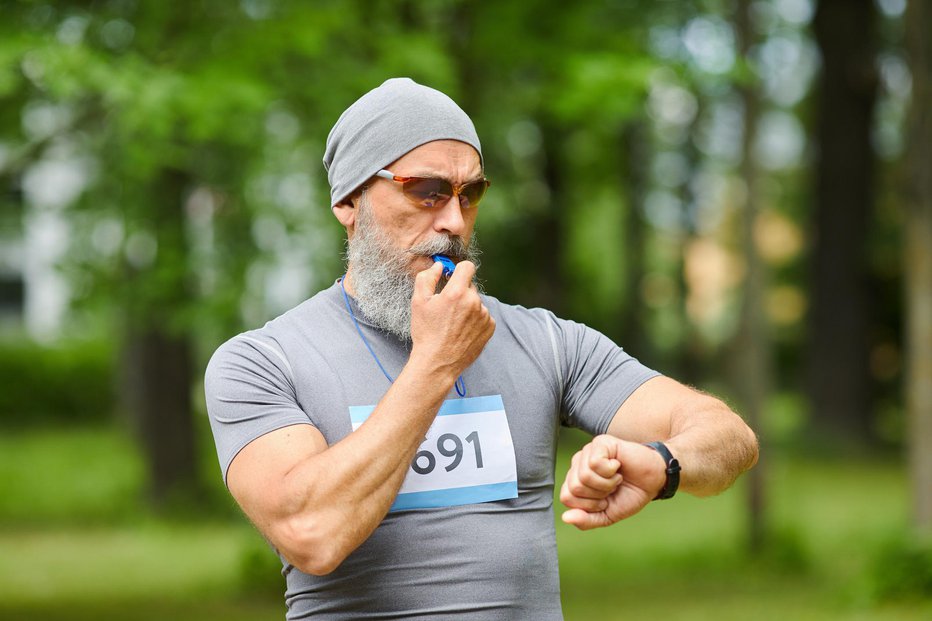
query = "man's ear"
{"x": 346, "y": 211}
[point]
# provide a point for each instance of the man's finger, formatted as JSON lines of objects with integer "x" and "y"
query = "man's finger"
{"x": 586, "y": 504}
{"x": 603, "y": 485}
{"x": 586, "y": 484}
{"x": 462, "y": 275}
{"x": 583, "y": 520}
{"x": 604, "y": 467}
{"x": 425, "y": 283}
{"x": 596, "y": 467}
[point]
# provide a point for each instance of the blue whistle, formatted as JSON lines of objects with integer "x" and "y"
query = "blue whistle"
{"x": 446, "y": 262}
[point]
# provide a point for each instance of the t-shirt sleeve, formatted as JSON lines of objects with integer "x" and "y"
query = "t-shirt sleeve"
{"x": 249, "y": 386}
{"x": 595, "y": 374}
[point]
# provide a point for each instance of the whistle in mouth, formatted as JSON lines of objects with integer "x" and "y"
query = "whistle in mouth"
{"x": 446, "y": 262}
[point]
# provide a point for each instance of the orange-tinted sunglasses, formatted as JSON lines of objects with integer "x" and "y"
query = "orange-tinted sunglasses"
{"x": 432, "y": 192}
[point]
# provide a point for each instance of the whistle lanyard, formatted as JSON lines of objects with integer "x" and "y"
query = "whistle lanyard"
{"x": 460, "y": 385}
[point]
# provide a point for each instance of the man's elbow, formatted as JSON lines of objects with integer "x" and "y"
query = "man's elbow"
{"x": 741, "y": 441}
{"x": 752, "y": 447}
{"x": 745, "y": 447}
{"x": 317, "y": 565}
{"x": 310, "y": 546}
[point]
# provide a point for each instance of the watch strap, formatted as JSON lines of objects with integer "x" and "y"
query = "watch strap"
{"x": 672, "y": 471}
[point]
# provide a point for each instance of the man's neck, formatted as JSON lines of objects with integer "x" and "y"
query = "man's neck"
{"x": 348, "y": 282}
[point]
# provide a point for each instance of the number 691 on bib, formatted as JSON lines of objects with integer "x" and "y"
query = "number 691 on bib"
{"x": 466, "y": 457}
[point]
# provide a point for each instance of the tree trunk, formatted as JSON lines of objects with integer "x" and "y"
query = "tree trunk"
{"x": 839, "y": 382}
{"x": 549, "y": 234}
{"x": 635, "y": 157}
{"x": 158, "y": 356}
{"x": 752, "y": 346}
{"x": 918, "y": 263}
{"x": 690, "y": 356}
{"x": 161, "y": 367}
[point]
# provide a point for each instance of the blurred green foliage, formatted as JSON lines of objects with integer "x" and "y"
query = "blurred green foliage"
{"x": 67, "y": 383}
{"x": 202, "y": 127}
{"x": 902, "y": 569}
{"x": 260, "y": 570}
{"x": 611, "y": 132}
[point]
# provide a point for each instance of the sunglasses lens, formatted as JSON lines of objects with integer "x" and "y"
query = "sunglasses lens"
{"x": 431, "y": 192}
{"x": 473, "y": 193}
{"x": 428, "y": 192}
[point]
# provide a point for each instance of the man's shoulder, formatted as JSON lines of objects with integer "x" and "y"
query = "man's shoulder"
{"x": 515, "y": 311}
{"x": 520, "y": 320}
{"x": 537, "y": 323}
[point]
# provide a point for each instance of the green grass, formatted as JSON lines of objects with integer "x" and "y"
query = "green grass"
{"x": 76, "y": 543}
{"x": 79, "y": 476}
{"x": 119, "y": 563}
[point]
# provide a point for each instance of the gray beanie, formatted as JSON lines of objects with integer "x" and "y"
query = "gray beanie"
{"x": 386, "y": 123}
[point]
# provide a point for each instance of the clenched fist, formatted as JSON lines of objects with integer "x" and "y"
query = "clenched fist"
{"x": 449, "y": 329}
{"x": 610, "y": 479}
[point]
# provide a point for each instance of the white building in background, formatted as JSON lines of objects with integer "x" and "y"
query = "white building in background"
{"x": 12, "y": 281}
{"x": 48, "y": 188}
{"x": 34, "y": 233}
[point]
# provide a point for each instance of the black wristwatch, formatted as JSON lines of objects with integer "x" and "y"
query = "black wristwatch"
{"x": 673, "y": 470}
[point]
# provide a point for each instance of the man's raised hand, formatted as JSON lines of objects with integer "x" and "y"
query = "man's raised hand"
{"x": 449, "y": 329}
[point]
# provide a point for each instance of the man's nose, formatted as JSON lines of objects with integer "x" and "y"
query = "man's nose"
{"x": 448, "y": 218}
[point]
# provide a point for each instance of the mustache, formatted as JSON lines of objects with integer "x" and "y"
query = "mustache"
{"x": 449, "y": 245}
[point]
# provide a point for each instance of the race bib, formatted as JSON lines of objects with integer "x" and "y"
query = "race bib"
{"x": 466, "y": 457}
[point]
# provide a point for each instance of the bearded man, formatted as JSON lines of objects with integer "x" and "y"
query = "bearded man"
{"x": 393, "y": 437}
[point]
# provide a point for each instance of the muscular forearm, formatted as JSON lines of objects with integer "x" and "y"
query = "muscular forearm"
{"x": 327, "y": 517}
{"x": 712, "y": 444}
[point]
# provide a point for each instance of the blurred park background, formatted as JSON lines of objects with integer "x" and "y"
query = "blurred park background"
{"x": 739, "y": 192}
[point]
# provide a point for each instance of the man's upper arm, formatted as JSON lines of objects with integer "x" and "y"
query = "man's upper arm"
{"x": 257, "y": 476}
{"x": 648, "y": 413}
{"x": 596, "y": 375}
{"x": 260, "y": 430}
{"x": 250, "y": 390}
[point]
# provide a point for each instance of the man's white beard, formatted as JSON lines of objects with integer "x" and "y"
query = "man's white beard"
{"x": 382, "y": 276}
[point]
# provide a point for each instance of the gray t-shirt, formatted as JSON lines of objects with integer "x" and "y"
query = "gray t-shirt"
{"x": 482, "y": 561}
